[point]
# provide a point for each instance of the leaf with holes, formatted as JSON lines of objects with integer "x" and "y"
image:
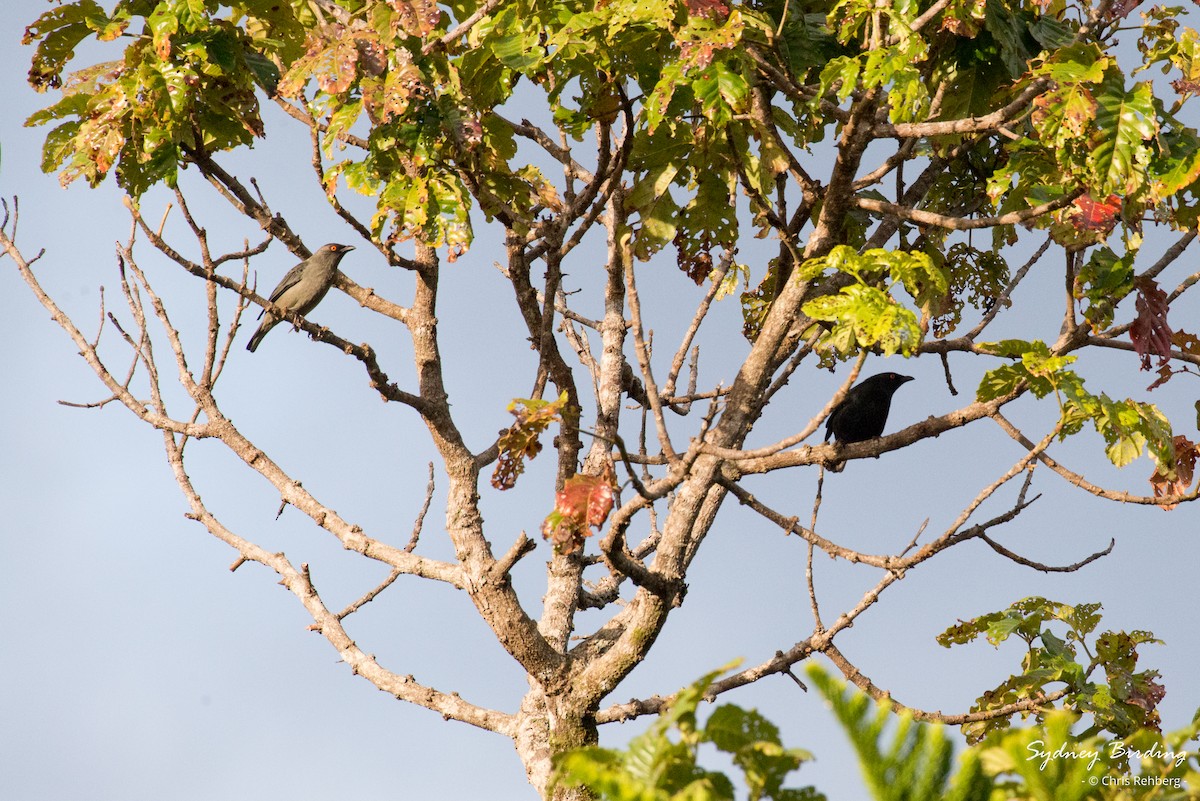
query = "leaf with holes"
{"x": 520, "y": 441}
{"x": 582, "y": 504}
{"x": 1150, "y": 332}
{"x": 1176, "y": 478}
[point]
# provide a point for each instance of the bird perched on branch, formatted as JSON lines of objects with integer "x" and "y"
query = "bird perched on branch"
{"x": 302, "y": 288}
{"x": 863, "y": 413}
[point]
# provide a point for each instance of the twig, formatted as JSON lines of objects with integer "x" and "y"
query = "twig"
{"x": 504, "y": 565}
{"x": 689, "y": 336}
{"x": 643, "y": 353}
{"x": 1021, "y": 560}
{"x": 803, "y": 434}
{"x": 420, "y": 521}
{"x": 370, "y": 596}
{"x": 460, "y": 30}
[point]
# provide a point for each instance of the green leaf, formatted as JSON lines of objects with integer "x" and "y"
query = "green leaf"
{"x": 1125, "y": 123}
{"x": 60, "y": 31}
{"x": 865, "y": 316}
{"x": 265, "y": 73}
{"x": 1041, "y": 371}
{"x": 1011, "y": 33}
{"x": 1103, "y": 281}
{"x": 754, "y": 743}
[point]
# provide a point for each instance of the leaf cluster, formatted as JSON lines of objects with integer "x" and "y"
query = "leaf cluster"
{"x": 1129, "y": 427}
{"x": 521, "y": 441}
{"x": 866, "y": 313}
{"x": 187, "y": 81}
{"x": 583, "y": 503}
{"x": 1064, "y": 649}
{"x": 901, "y": 759}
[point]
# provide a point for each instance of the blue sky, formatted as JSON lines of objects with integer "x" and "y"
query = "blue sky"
{"x": 138, "y": 667}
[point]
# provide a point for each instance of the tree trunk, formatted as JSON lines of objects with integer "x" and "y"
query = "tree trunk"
{"x": 548, "y": 725}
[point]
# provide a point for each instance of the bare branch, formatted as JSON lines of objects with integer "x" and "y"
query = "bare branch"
{"x": 462, "y": 29}
{"x": 643, "y": 356}
{"x": 1003, "y": 299}
{"x": 88, "y": 352}
{"x": 858, "y": 679}
{"x": 328, "y": 624}
{"x": 963, "y": 223}
{"x": 1021, "y": 560}
{"x": 318, "y": 166}
{"x": 365, "y": 354}
{"x": 714, "y": 284}
{"x": 803, "y": 434}
{"x": 827, "y": 453}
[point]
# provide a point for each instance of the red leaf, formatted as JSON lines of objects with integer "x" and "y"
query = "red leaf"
{"x": 1121, "y": 8}
{"x": 588, "y": 499}
{"x": 713, "y": 9}
{"x": 582, "y": 504}
{"x": 1150, "y": 332}
{"x": 1097, "y": 215}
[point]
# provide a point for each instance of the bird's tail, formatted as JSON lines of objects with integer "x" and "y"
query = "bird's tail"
{"x": 257, "y": 337}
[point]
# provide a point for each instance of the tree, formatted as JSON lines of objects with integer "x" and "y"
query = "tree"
{"x": 865, "y": 142}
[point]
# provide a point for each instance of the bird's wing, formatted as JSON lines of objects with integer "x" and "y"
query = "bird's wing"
{"x": 289, "y": 281}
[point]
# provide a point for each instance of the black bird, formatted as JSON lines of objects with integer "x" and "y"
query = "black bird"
{"x": 863, "y": 413}
{"x": 303, "y": 287}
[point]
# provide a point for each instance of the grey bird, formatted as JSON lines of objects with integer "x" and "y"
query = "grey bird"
{"x": 302, "y": 288}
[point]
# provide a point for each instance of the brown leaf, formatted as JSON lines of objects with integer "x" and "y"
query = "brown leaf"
{"x": 1184, "y": 86}
{"x": 1164, "y": 375}
{"x": 1148, "y": 695}
{"x": 1150, "y": 333}
{"x": 695, "y": 264}
{"x": 1188, "y": 343}
{"x": 1178, "y": 477}
{"x": 371, "y": 55}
